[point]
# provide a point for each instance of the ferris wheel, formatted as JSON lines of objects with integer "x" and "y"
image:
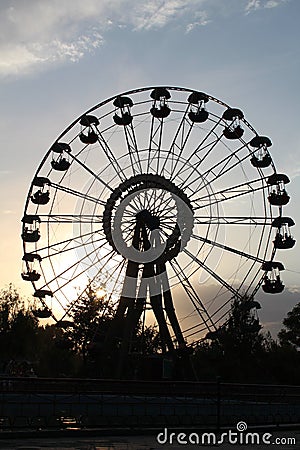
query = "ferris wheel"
{"x": 171, "y": 199}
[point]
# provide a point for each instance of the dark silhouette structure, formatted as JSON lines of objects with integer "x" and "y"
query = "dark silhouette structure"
{"x": 152, "y": 190}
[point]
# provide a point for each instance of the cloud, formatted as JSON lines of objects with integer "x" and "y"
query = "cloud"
{"x": 158, "y": 13}
{"x": 254, "y": 5}
{"x": 17, "y": 58}
{"x": 35, "y": 34}
{"x": 5, "y": 172}
{"x": 201, "y": 20}
{"x": 294, "y": 289}
{"x": 30, "y": 37}
{"x": 8, "y": 212}
{"x": 20, "y": 58}
{"x": 272, "y": 3}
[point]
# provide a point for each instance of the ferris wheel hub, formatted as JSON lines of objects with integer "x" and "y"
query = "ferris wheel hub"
{"x": 150, "y": 220}
{"x": 154, "y": 201}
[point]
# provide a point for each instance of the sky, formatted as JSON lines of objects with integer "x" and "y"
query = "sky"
{"x": 59, "y": 58}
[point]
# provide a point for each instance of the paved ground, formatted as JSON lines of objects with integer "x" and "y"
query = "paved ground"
{"x": 149, "y": 442}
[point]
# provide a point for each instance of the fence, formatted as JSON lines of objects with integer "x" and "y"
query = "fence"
{"x": 41, "y": 403}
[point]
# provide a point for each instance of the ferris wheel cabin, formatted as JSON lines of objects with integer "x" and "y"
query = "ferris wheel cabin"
{"x": 261, "y": 157}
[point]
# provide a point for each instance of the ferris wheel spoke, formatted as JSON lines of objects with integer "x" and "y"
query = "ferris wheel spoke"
{"x": 180, "y": 139}
{"x": 216, "y": 322}
{"x": 258, "y": 278}
{"x": 136, "y": 203}
{"x": 201, "y": 146}
{"x": 142, "y": 200}
{"x": 258, "y": 274}
{"x": 65, "y": 241}
{"x": 167, "y": 226}
{"x": 234, "y": 220}
{"x": 227, "y": 248}
{"x": 208, "y": 134}
{"x": 151, "y": 199}
{"x": 211, "y": 272}
{"x": 234, "y": 188}
{"x": 118, "y": 270}
{"x": 211, "y": 146}
{"x": 74, "y": 265}
{"x": 134, "y": 206}
{"x": 110, "y": 155}
{"x": 159, "y": 145}
{"x": 155, "y": 140}
{"x": 91, "y": 281}
{"x": 90, "y": 171}
{"x": 160, "y": 203}
{"x": 66, "y": 249}
{"x": 70, "y": 218}
{"x": 198, "y": 328}
{"x": 224, "y": 169}
{"x": 168, "y": 212}
{"x": 185, "y": 169}
{"x": 222, "y": 162}
{"x": 192, "y": 295}
{"x": 129, "y": 227}
{"x": 132, "y": 147}
{"x": 225, "y": 192}
{"x": 150, "y": 143}
{"x": 225, "y": 308}
{"x": 163, "y": 205}
{"x": 78, "y": 194}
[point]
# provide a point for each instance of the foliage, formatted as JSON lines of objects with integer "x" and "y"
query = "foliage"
{"x": 236, "y": 348}
{"x": 91, "y": 316}
{"x": 241, "y": 336}
{"x": 290, "y": 334}
{"x": 91, "y": 338}
{"x": 148, "y": 340}
{"x": 10, "y": 305}
{"x": 281, "y": 365}
{"x": 18, "y": 327}
{"x": 236, "y": 352}
{"x": 54, "y": 359}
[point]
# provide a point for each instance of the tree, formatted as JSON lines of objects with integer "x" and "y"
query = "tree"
{"x": 148, "y": 341}
{"x": 91, "y": 315}
{"x": 18, "y": 327}
{"x": 241, "y": 336}
{"x": 10, "y": 305}
{"x": 290, "y": 334}
{"x": 53, "y": 358}
{"x": 93, "y": 319}
{"x": 236, "y": 348}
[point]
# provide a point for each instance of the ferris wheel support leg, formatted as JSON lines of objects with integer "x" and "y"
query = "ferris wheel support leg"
{"x": 157, "y": 306}
{"x": 120, "y": 371}
{"x": 130, "y": 308}
{"x": 169, "y": 306}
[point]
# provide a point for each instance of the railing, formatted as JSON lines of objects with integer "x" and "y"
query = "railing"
{"x": 40, "y": 403}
